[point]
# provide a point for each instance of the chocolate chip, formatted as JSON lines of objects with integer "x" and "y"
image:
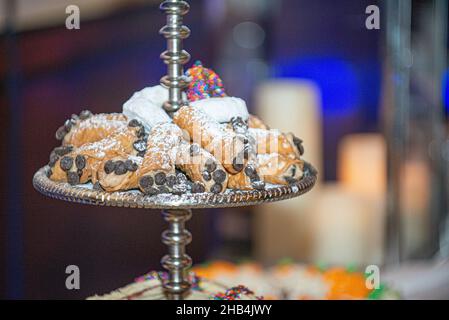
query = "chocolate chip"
{"x": 73, "y": 178}
{"x": 53, "y": 159}
{"x": 131, "y": 166}
{"x": 109, "y": 166}
{"x": 141, "y": 154}
{"x": 49, "y": 173}
{"x": 62, "y": 151}
{"x": 210, "y": 165}
{"x": 254, "y": 178}
{"x": 298, "y": 144}
{"x": 160, "y": 178}
{"x": 120, "y": 168}
{"x": 198, "y": 188}
{"x": 80, "y": 162}
{"x": 293, "y": 171}
{"x": 239, "y": 125}
{"x": 140, "y": 145}
{"x": 97, "y": 186}
{"x": 250, "y": 171}
{"x": 163, "y": 189}
{"x": 146, "y": 182}
{"x": 66, "y": 163}
{"x": 60, "y": 133}
{"x": 219, "y": 176}
{"x": 85, "y": 114}
{"x": 216, "y": 188}
{"x": 68, "y": 125}
{"x": 258, "y": 185}
{"x": 246, "y": 152}
{"x": 237, "y": 164}
{"x": 151, "y": 191}
{"x": 206, "y": 176}
{"x": 141, "y": 133}
{"x": 79, "y": 172}
{"x": 134, "y": 123}
{"x": 194, "y": 149}
{"x": 171, "y": 181}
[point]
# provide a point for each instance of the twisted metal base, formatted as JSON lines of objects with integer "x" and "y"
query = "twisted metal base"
{"x": 177, "y": 261}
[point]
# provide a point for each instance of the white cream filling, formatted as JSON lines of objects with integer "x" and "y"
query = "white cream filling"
{"x": 146, "y": 106}
{"x": 223, "y": 109}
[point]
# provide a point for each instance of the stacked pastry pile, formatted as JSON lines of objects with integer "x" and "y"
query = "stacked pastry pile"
{"x": 208, "y": 145}
{"x": 149, "y": 287}
{"x": 295, "y": 281}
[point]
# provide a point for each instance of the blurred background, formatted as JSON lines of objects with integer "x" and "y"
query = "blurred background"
{"x": 370, "y": 105}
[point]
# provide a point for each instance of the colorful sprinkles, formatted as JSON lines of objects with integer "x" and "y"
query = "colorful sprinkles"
{"x": 234, "y": 293}
{"x": 204, "y": 83}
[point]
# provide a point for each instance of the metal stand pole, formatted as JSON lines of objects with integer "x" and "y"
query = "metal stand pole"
{"x": 177, "y": 261}
{"x": 175, "y": 57}
{"x": 176, "y": 237}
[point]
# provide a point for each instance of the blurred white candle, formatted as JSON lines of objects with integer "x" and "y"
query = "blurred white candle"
{"x": 339, "y": 224}
{"x": 290, "y": 106}
{"x": 414, "y": 203}
{"x": 362, "y": 164}
{"x": 362, "y": 171}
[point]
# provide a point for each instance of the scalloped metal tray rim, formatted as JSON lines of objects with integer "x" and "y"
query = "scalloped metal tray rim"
{"x": 234, "y": 198}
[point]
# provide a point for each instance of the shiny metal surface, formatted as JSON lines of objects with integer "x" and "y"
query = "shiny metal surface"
{"x": 136, "y": 199}
{"x": 175, "y": 57}
{"x": 176, "y": 261}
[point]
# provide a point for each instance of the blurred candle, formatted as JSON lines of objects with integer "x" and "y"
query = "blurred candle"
{"x": 362, "y": 164}
{"x": 362, "y": 172}
{"x": 338, "y": 227}
{"x": 414, "y": 200}
{"x": 290, "y": 106}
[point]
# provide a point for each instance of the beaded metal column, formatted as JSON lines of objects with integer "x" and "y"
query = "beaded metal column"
{"x": 175, "y": 57}
{"x": 176, "y": 237}
{"x": 177, "y": 261}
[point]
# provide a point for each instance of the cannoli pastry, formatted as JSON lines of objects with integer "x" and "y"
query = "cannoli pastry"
{"x": 278, "y": 169}
{"x": 202, "y": 168}
{"x": 80, "y": 165}
{"x": 225, "y": 146}
{"x": 247, "y": 179}
{"x": 274, "y": 141}
{"x": 123, "y": 173}
{"x": 157, "y": 172}
{"x": 118, "y": 173}
{"x": 87, "y": 128}
{"x": 256, "y": 123}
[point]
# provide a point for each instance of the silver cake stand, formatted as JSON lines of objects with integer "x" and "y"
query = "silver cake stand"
{"x": 176, "y": 209}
